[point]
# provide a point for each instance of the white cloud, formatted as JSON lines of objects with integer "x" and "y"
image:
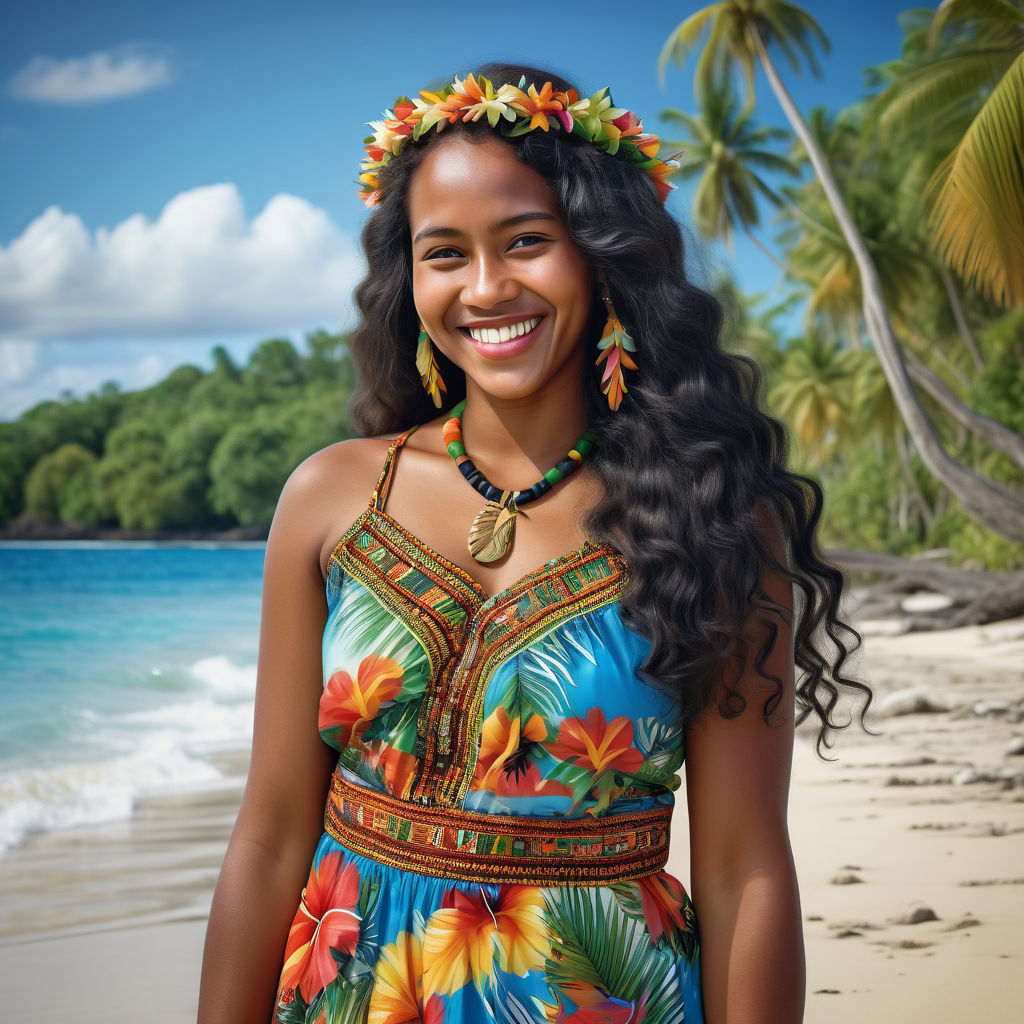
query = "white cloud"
{"x": 94, "y": 78}
{"x": 201, "y": 268}
{"x": 18, "y": 360}
{"x": 82, "y": 369}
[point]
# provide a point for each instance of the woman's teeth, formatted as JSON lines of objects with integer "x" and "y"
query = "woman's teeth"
{"x": 496, "y": 335}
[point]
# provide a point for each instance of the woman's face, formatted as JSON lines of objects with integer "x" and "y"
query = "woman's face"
{"x": 498, "y": 283}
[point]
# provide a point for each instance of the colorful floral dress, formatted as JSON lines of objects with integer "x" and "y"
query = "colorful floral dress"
{"x": 498, "y": 821}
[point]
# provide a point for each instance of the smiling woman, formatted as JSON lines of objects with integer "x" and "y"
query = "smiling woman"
{"x": 491, "y": 253}
{"x": 470, "y": 720}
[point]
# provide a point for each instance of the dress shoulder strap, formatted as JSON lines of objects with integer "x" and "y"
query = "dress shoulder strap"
{"x": 380, "y": 492}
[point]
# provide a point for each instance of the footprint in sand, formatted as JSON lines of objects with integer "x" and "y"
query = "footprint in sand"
{"x": 964, "y": 922}
{"x": 902, "y": 943}
{"x": 853, "y": 929}
{"x": 993, "y": 881}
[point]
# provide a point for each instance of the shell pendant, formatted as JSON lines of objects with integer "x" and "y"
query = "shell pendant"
{"x": 491, "y": 533}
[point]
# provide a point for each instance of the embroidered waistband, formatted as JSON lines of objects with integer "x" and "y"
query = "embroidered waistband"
{"x": 473, "y": 847}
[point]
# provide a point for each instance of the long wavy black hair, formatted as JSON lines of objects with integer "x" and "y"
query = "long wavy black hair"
{"x": 689, "y": 463}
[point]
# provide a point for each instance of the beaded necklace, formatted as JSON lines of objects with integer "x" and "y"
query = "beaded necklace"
{"x": 490, "y": 536}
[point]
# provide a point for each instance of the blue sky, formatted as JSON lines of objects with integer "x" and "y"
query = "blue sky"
{"x": 177, "y": 176}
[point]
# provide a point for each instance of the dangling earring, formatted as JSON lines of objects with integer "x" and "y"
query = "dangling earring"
{"x": 426, "y": 363}
{"x": 615, "y": 345}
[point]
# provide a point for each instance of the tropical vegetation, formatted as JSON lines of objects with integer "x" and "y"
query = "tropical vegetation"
{"x": 898, "y": 227}
{"x": 904, "y": 238}
{"x": 199, "y": 450}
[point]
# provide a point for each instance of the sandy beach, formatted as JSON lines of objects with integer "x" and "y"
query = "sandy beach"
{"x": 909, "y": 848}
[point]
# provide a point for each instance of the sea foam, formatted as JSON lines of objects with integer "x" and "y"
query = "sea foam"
{"x": 136, "y": 753}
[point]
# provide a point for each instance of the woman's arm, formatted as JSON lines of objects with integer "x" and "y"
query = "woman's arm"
{"x": 281, "y": 817}
{"x": 743, "y": 881}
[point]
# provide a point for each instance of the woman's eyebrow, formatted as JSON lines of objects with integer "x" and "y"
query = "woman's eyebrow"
{"x": 507, "y": 223}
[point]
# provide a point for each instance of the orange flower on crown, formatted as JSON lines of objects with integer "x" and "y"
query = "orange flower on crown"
{"x": 629, "y": 126}
{"x": 647, "y": 144}
{"x": 455, "y": 105}
{"x": 537, "y": 105}
{"x": 370, "y": 193}
{"x": 658, "y": 175}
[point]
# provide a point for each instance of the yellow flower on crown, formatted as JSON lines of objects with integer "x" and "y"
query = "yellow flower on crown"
{"x": 512, "y": 110}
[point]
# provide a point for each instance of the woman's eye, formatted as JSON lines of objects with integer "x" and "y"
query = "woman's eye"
{"x": 445, "y": 253}
{"x": 528, "y": 239}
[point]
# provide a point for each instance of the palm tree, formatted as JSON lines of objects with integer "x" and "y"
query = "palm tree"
{"x": 874, "y": 175}
{"x": 928, "y": 136}
{"x": 823, "y": 261}
{"x": 969, "y": 66}
{"x": 723, "y": 147}
{"x": 874, "y": 412}
{"x": 813, "y": 393}
{"x": 739, "y": 33}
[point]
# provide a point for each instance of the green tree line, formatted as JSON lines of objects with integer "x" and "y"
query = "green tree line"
{"x": 198, "y": 451}
{"x": 211, "y": 450}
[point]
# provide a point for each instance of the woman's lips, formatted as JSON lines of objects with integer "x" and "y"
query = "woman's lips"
{"x": 504, "y": 349}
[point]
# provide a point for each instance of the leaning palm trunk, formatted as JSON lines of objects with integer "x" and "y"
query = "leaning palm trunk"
{"x": 997, "y": 507}
{"x": 1001, "y": 437}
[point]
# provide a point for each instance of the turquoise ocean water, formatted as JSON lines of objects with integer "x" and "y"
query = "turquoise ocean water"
{"x": 123, "y": 666}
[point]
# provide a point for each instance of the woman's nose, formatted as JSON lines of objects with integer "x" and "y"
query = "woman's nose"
{"x": 489, "y": 282}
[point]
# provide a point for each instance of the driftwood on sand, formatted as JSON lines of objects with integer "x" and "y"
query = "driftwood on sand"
{"x": 927, "y": 595}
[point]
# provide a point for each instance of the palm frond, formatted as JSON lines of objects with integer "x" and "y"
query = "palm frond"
{"x": 681, "y": 117}
{"x": 940, "y": 84}
{"x": 795, "y": 32}
{"x": 684, "y": 38}
{"x": 540, "y": 684}
{"x": 770, "y": 161}
{"x": 595, "y": 942}
{"x": 977, "y": 221}
{"x": 999, "y": 14}
{"x": 546, "y": 670}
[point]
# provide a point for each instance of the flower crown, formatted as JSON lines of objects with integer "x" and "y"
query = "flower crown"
{"x": 513, "y": 111}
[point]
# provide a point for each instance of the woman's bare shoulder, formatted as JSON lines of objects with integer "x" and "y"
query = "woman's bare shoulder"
{"x": 329, "y": 490}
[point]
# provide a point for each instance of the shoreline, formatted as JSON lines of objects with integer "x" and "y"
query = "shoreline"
{"x": 157, "y": 866}
{"x": 27, "y": 533}
{"x": 909, "y": 851}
